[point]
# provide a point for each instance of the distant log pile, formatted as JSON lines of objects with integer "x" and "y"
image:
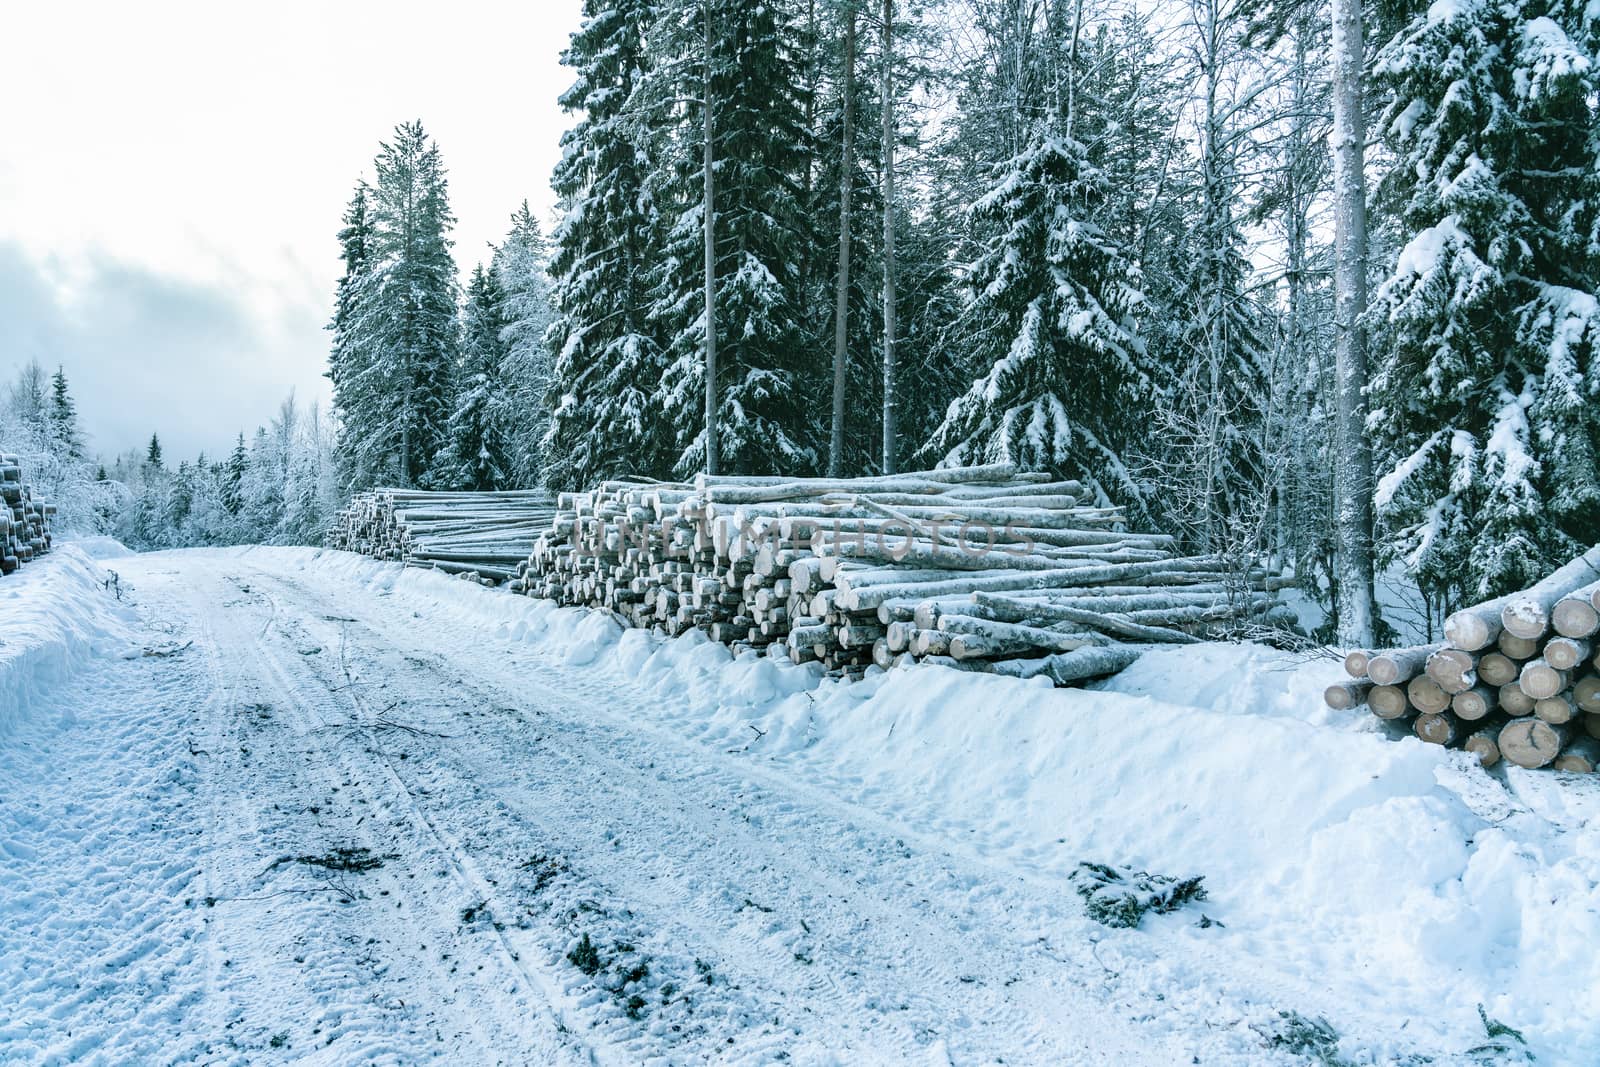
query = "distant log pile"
{"x": 484, "y": 537}
{"x": 983, "y": 568}
{"x": 24, "y": 519}
{"x": 1516, "y": 678}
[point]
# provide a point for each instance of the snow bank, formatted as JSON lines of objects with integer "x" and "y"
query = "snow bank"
{"x": 1396, "y": 880}
{"x": 55, "y": 615}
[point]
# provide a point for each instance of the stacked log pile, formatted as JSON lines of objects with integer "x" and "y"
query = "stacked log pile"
{"x": 985, "y": 568}
{"x": 1516, "y": 678}
{"x": 483, "y": 537}
{"x": 24, "y": 518}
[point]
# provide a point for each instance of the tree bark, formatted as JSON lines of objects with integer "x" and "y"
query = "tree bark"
{"x": 841, "y": 305}
{"x": 1353, "y": 481}
{"x": 890, "y": 398}
{"x": 712, "y": 458}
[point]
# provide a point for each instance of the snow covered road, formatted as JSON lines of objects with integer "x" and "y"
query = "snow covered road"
{"x": 315, "y": 822}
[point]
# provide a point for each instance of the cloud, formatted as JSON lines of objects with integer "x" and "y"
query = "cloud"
{"x": 145, "y": 351}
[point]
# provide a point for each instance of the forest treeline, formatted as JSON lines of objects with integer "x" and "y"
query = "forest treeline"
{"x": 1077, "y": 235}
{"x": 1081, "y": 235}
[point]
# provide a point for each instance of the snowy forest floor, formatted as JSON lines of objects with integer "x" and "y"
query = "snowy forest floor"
{"x": 278, "y": 805}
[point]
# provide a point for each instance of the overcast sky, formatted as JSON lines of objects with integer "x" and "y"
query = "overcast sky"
{"x": 172, "y": 176}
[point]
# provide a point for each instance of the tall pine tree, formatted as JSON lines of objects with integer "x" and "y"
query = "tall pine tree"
{"x": 743, "y": 61}
{"x": 480, "y": 425}
{"x": 607, "y": 360}
{"x": 395, "y": 323}
{"x": 1482, "y": 409}
{"x": 1055, "y": 298}
{"x": 519, "y": 268}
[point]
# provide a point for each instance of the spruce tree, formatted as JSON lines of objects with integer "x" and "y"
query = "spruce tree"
{"x": 1052, "y": 298}
{"x": 152, "y": 453}
{"x": 769, "y": 363}
{"x": 417, "y": 292}
{"x": 480, "y": 441}
{"x": 1481, "y": 409}
{"x": 395, "y": 327}
{"x": 519, "y": 272}
{"x": 607, "y": 363}
{"x": 357, "y": 395}
{"x": 238, "y": 467}
{"x": 62, "y": 418}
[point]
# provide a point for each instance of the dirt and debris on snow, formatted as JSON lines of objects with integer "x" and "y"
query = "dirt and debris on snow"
{"x": 363, "y": 814}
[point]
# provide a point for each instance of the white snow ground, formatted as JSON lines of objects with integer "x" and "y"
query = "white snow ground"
{"x": 770, "y": 867}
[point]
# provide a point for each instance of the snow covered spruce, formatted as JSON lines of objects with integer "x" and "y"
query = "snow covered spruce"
{"x": 24, "y": 519}
{"x": 1517, "y": 678}
{"x": 485, "y": 537}
{"x": 986, "y": 568}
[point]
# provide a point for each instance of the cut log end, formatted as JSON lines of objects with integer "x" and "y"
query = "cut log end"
{"x": 1471, "y": 631}
{"x": 1342, "y": 696}
{"x": 1439, "y": 728}
{"x": 1388, "y": 701}
{"x": 1533, "y": 742}
{"x": 1485, "y": 744}
{"x": 1356, "y": 663}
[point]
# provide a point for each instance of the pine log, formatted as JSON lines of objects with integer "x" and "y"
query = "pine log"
{"x": 1518, "y": 648}
{"x": 1388, "y": 702}
{"x": 1533, "y": 742}
{"x": 1426, "y": 696}
{"x": 1581, "y": 756}
{"x": 1399, "y": 665}
{"x": 1475, "y": 703}
{"x": 1514, "y": 701}
{"x": 1565, "y": 653}
{"x": 1591, "y": 723}
{"x": 1539, "y": 679}
{"x": 1586, "y": 692}
{"x": 1578, "y": 613}
{"x": 1496, "y": 669}
{"x": 1438, "y": 728}
{"x": 1485, "y": 744}
{"x": 1559, "y": 708}
{"x": 1067, "y": 668}
{"x": 1452, "y": 669}
{"x": 1355, "y": 663}
{"x": 1341, "y": 696}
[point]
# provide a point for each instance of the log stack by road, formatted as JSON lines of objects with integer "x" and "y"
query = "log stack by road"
{"x": 1516, "y": 678}
{"x": 984, "y": 568}
{"x": 479, "y": 536}
{"x": 24, "y": 518}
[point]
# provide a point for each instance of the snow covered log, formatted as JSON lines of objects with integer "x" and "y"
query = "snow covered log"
{"x": 1503, "y": 686}
{"x": 484, "y": 535}
{"x": 856, "y": 572}
{"x": 1347, "y": 694}
{"x": 25, "y": 519}
{"x": 1525, "y": 614}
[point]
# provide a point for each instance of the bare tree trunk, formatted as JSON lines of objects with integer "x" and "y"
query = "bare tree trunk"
{"x": 890, "y": 400}
{"x": 1353, "y": 471}
{"x": 841, "y": 309}
{"x": 711, "y": 268}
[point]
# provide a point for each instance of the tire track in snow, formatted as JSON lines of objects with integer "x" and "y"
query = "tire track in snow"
{"x": 829, "y": 861}
{"x": 506, "y": 1024}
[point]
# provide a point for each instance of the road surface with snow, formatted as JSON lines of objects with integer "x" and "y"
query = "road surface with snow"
{"x": 300, "y": 817}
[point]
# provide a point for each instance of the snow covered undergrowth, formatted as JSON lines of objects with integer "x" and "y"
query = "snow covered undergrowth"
{"x": 56, "y": 614}
{"x": 1399, "y": 877}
